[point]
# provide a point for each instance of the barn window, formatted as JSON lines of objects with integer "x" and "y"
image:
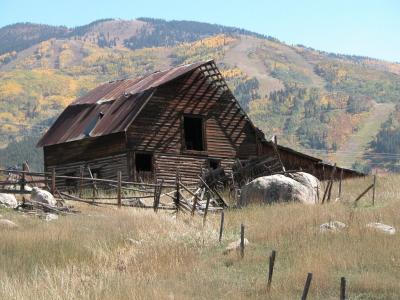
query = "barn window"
{"x": 193, "y": 133}
{"x": 144, "y": 162}
{"x": 214, "y": 163}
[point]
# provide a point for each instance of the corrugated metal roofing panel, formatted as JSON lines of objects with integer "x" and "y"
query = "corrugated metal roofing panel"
{"x": 119, "y": 102}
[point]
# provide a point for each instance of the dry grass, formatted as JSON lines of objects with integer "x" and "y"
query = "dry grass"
{"x": 89, "y": 256}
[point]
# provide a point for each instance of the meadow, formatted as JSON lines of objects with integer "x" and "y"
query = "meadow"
{"x": 132, "y": 253}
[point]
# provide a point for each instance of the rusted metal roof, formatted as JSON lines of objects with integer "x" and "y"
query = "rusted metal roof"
{"x": 110, "y": 107}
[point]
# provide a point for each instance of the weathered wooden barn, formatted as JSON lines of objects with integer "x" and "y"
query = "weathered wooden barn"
{"x": 184, "y": 118}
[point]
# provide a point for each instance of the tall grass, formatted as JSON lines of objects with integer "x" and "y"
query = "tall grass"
{"x": 127, "y": 253}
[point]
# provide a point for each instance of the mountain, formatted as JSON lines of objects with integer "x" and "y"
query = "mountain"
{"x": 336, "y": 106}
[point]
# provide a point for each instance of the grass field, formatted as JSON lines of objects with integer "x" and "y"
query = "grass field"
{"x": 128, "y": 253}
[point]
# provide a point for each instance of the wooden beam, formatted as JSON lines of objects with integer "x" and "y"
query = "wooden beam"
{"x": 119, "y": 201}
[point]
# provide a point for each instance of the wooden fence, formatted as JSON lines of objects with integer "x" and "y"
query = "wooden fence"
{"x": 97, "y": 191}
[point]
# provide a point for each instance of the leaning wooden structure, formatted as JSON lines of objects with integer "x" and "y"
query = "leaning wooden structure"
{"x": 183, "y": 119}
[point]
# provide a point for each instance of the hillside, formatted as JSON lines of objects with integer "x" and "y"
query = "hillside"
{"x": 314, "y": 101}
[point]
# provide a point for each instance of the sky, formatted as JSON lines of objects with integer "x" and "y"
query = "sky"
{"x": 367, "y": 28}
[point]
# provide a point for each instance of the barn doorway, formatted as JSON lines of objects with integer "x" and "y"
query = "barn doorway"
{"x": 144, "y": 166}
{"x": 193, "y": 131}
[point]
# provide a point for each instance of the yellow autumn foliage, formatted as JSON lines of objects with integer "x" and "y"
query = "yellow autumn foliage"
{"x": 214, "y": 41}
{"x": 9, "y": 89}
{"x": 7, "y": 117}
{"x": 8, "y": 128}
{"x": 234, "y": 72}
{"x": 66, "y": 56}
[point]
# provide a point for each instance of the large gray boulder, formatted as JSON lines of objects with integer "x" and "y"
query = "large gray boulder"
{"x": 43, "y": 196}
{"x": 8, "y": 200}
{"x": 300, "y": 187}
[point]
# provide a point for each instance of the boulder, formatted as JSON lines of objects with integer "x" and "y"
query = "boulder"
{"x": 307, "y": 180}
{"x": 42, "y": 196}
{"x": 382, "y": 227}
{"x": 235, "y": 246}
{"x": 7, "y": 224}
{"x": 300, "y": 187}
{"x": 332, "y": 226}
{"x": 8, "y": 200}
{"x": 48, "y": 217}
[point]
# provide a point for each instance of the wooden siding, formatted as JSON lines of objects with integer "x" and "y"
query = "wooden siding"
{"x": 86, "y": 149}
{"x": 295, "y": 161}
{"x": 290, "y": 160}
{"x": 107, "y": 166}
{"x": 189, "y": 167}
{"x": 158, "y": 128}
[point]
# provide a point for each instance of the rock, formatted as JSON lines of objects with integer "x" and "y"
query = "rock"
{"x": 235, "y": 246}
{"x": 43, "y": 196}
{"x": 302, "y": 188}
{"x": 382, "y": 227}
{"x": 307, "y": 180}
{"x": 15, "y": 187}
{"x": 7, "y": 224}
{"x": 332, "y": 226}
{"x": 133, "y": 241}
{"x": 48, "y": 217}
{"x": 8, "y": 200}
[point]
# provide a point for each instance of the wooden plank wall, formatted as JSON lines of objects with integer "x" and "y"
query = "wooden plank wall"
{"x": 108, "y": 166}
{"x": 291, "y": 161}
{"x": 85, "y": 149}
{"x": 295, "y": 161}
{"x": 158, "y": 128}
{"x": 189, "y": 167}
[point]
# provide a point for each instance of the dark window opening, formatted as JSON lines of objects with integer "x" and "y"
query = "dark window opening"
{"x": 214, "y": 163}
{"x": 144, "y": 162}
{"x": 193, "y": 133}
{"x": 96, "y": 173}
{"x": 69, "y": 181}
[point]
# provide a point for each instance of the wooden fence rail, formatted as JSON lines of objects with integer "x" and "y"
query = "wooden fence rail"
{"x": 48, "y": 176}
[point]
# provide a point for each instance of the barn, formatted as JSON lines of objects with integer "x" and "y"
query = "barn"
{"x": 185, "y": 118}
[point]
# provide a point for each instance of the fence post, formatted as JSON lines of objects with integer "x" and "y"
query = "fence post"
{"x": 342, "y": 288}
{"x": 221, "y": 227}
{"x": 241, "y": 240}
{"x": 206, "y": 209}
{"x": 94, "y": 188}
{"x": 373, "y": 191}
{"x": 23, "y": 179}
{"x": 306, "y": 286}
{"x": 119, "y": 189}
{"x": 53, "y": 181}
{"x": 177, "y": 193}
{"x": 362, "y": 194}
{"x": 271, "y": 268}
{"x": 340, "y": 183}
{"x": 157, "y": 194}
{"x": 330, "y": 187}
{"x": 80, "y": 181}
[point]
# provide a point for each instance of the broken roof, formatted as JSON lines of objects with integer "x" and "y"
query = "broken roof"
{"x": 111, "y": 107}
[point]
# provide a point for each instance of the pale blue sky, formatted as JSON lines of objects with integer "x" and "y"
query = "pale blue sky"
{"x": 369, "y": 28}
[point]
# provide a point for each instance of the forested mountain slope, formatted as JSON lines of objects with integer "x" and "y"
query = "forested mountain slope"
{"x": 314, "y": 101}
